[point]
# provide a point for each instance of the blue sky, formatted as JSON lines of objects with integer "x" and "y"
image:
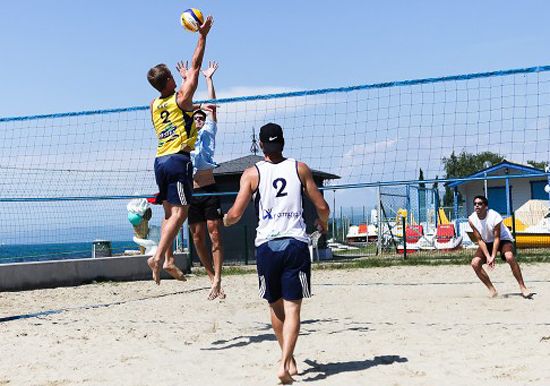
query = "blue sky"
{"x": 72, "y": 55}
{"x": 63, "y": 56}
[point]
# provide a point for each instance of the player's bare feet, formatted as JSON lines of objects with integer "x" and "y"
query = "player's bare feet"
{"x": 175, "y": 272}
{"x": 292, "y": 368}
{"x": 155, "y": 268}
{"x": 493, "y": 293}
{"x": 526, "y": 293}
{"x": 215, "y": 290}
{"x": 222, "y": 294}
{"x": 284, "y": 376}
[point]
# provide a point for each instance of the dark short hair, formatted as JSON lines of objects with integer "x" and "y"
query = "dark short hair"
{"x": 158, "y": 76}
{"x": 482, "y": 199}
{"x": 199, "y": 112}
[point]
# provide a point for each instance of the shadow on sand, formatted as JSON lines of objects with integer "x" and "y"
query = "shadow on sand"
{"x": 240, "y": 341}
{"x": 245, "y": 340}
{"x": 519, "y": 294}
{"x": 325, "y": 370}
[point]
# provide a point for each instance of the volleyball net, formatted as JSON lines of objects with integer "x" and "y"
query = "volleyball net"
{"x": 66, "y": 178}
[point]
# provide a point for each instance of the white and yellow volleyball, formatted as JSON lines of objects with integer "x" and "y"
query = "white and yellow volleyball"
{"x": 191, "y": 19}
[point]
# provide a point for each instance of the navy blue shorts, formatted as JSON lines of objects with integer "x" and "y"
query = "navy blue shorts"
{"x": 174, "y": 176}
{"x": 284, "y": 270}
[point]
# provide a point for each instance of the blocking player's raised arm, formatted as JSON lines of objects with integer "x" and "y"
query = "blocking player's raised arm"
{"x": 208, "y": 75}
{"x": 182, "y": 68}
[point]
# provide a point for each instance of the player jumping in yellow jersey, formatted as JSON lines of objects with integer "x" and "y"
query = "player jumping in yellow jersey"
{"x": 172, "y": 117}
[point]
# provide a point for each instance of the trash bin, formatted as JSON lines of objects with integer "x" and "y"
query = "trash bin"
{"x": 101, "y": 248}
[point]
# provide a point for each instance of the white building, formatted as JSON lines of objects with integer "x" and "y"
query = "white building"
{"x": 520, "y": 190}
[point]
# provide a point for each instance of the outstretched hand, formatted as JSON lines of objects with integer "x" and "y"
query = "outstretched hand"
{"x": 209, "y": 107}
{"x": 205, "y": 27}
{"x": 212, "y": 67}
{"x": 183, "y": 68}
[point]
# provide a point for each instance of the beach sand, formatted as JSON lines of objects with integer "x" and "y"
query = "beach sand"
{"x": 379, "y": 326}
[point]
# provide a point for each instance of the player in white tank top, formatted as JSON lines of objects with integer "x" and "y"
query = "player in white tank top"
{"x": 282, "y": 255}
{"x": 279, "y": 200}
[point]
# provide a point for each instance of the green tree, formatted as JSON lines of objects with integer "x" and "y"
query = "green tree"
{"x": 421, "y": 185}
{"x": 464, "y": 164}
{"x": 538, "y": 165}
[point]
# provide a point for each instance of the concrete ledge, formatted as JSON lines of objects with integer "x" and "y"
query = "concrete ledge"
{"x": 64, "y": 273}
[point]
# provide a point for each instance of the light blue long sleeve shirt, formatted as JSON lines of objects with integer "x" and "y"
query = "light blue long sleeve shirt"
{"x": 203, "y": 155}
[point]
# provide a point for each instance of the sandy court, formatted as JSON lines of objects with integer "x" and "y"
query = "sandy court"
{"x": 383, "y": 326}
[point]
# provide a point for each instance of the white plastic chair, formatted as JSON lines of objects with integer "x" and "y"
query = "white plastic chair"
{"x": 313, "y": 248}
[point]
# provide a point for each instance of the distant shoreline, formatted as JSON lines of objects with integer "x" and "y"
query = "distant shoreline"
{"x": 17, "y": 253}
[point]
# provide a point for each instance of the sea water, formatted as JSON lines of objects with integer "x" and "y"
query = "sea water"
{"x": 17, "y": 253}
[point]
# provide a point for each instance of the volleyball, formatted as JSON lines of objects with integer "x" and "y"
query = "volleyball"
{"x": 192, "y": 19}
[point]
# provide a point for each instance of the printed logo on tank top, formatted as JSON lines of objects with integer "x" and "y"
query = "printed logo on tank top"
{"x": 269, "y": 215}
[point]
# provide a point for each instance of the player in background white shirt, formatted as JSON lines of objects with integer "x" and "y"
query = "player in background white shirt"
{"x": 205, "y": 212}
{"x": 282, "y": 254}
{"x": 492, "y": 236}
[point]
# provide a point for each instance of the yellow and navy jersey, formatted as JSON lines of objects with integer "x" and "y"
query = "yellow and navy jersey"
{"x": 174, "y": 127}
